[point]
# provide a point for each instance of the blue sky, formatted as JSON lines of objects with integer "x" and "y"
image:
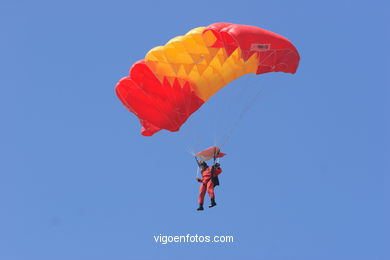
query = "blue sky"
{"x": 307, "y": 172}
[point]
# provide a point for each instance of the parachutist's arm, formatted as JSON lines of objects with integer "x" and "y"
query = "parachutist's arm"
{"x": 217, "y": 170}
{"x": 197, "y": 161}
{"x": 199, "y": 180}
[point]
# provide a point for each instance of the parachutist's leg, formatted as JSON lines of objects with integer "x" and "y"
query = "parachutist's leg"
{"x": 210, "y": 190}
{"x": 202, "y": 192}
{"x": 212, "y": 203}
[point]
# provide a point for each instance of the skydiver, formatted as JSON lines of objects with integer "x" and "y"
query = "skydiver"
{"x": 208, "y": 182}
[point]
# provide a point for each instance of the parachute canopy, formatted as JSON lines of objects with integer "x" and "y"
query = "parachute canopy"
{"x": 174, "y": 80}
{"x": 210, "y": 153}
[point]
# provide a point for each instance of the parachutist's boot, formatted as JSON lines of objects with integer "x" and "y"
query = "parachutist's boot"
{"x": 212, "y": 203}
{"x": 200, "y": 207}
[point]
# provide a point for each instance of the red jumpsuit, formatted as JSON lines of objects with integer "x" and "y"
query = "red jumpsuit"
{"x": 207, "y": 184}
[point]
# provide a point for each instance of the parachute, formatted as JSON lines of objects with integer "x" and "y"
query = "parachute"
{"x": 175, "y": 80}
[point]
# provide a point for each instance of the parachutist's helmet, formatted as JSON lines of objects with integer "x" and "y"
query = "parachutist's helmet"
{"x": 204, "y": 164}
